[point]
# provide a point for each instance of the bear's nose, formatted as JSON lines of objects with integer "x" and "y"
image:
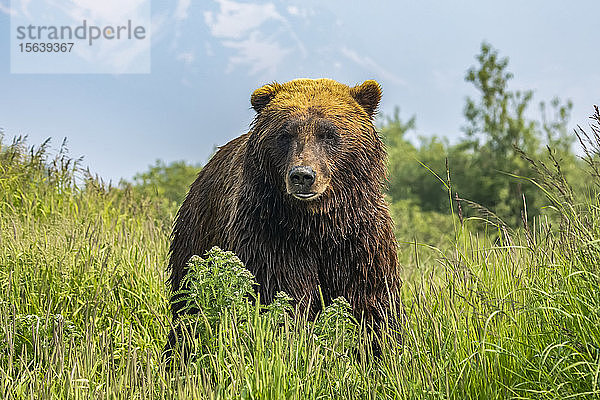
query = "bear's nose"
{"x": 302, "y": 176}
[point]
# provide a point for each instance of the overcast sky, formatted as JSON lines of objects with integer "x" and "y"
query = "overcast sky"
{"x": 208, "y": 57}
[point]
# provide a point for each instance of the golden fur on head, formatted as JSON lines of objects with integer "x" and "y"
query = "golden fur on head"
{"x": 305, "y": 91}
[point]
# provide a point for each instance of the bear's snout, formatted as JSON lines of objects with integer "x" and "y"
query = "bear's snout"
{"x": 302, "y": 177}
{"x": 300, "y": 180}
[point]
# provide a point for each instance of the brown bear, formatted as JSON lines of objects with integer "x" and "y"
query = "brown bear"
{"x": 299, "y": 200}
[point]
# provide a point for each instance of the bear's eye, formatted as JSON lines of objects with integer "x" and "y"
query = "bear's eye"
{"x": 328, "y": 136}
{"x": 284, "y": 138}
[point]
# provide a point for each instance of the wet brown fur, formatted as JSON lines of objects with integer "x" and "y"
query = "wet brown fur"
{"x": 341, "y": 241}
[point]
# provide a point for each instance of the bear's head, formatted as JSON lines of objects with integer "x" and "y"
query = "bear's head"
{"x": 314, "y": 139}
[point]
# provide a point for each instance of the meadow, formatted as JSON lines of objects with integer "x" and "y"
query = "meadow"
{"x": 490, "y": 310}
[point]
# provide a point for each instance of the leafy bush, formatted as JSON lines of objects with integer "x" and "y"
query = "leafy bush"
{"x": 220, "y": 293}
{"x": 215, "y": 284}
{"x": 336, "y": 328}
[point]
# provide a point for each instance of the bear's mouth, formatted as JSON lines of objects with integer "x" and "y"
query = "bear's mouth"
{"x": 304, "y": 196}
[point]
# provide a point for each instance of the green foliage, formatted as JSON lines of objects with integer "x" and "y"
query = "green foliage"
{"x": 219, "y": 286}
{"x": 336, "y": 328}
{"x": 281, "y": 307}
{"x": 497, "y": 121}
{"x": 485, "y": 167}
{"x": 496, "y": 124}
{"x": 81, "y": 279}
{"x": 229, "y": 325}
{"x": 408, "y": 178}
{"x": 166, "y": 183}
{"x": 411, "y": 224}
{"x": 32, "y": 334}
{"x": 215, "y": 283}
{"x": 24, "y": 172}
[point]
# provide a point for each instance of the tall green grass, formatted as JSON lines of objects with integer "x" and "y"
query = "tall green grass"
{"x": 84, "y": 308}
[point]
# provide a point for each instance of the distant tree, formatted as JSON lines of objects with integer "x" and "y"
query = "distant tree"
{"x": 497, "y": 122}
{"x": 399, "y": 150}
{"x": 484, "y": 165}
{"x": 411, "y": 167}
{"x": 168, "y": 182}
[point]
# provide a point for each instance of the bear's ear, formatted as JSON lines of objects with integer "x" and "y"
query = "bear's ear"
{"x": 262, "y": 96}
{"x": 367, "y": 96}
